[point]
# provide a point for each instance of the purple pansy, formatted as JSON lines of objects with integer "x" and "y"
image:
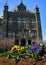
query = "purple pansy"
{"x": 38, "y": 45}
{"x": 35, "y": 48}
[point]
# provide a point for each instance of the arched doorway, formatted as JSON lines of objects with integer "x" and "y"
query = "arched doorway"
{"x": 16, "y": 42}
{"x": 29, "y": 42}
{"x": 23, "y": 42}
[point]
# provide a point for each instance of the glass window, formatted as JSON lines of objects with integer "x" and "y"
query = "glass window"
{"x": 9, "y": 25}
{"x": 18, "y": 18}
{"x": 21, "y": 22}
{"x": 9, "y": 34}
{"x": 19, "y": 25}
{"x": 24, "y": 19}
{"x": 19, "y": 33}
{"x": 33, "y": 20}
{"x": 27, "y": 33}
{"x": 10, "y": 19}
{"x": 0, "y": 36}
{"x": 34, "y": 33}
{"x": 33, "y": 25}
{"x": 24, "y": 25}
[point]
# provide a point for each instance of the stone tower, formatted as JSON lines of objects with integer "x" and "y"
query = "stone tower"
{"x": 38, "y": 22}
{"x": 5, "y": 21}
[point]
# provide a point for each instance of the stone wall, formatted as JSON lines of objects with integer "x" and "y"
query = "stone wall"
{"x": 6, "y": 43}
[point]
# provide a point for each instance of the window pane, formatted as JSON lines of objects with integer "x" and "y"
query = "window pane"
{"x": 34, "y": 33}
{"x": 33, "y": 25}
{"x": 9, "y": 34}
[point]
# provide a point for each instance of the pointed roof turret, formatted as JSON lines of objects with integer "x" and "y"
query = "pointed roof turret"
{"x": 36, "y": 6}
{"x": 21, "y": 7}
{"x": 6, "y": 4}
{"x": 36, "y": 9}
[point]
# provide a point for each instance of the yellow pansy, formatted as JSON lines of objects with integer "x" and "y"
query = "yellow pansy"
{"x": 15, "y": 48}
{"x": 20, "y": 49}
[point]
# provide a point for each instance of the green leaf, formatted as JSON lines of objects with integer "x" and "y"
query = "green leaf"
{"x": 36, "y": 56}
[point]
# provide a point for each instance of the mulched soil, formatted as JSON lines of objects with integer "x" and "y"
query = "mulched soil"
{"x": 5, "y": 61}
{"x": 23, "y": 61}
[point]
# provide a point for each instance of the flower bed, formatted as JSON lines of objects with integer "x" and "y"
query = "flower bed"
{"x": 32, "y": 53}
{"x": 35, "y": 51}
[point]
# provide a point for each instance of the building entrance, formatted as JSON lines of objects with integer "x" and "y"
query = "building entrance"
{"x": 16, "y": 42}
{"x": 23, "y": 42}
{"x": 29, "y": 42}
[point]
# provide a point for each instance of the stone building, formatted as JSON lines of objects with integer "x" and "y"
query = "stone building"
{"x": 21, "y": 24}
{"x": 0, "y": 28}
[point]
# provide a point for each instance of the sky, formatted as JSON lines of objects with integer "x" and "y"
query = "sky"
{"x": 30, "y": 4}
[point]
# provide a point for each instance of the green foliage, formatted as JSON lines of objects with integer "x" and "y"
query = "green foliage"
{"x": 16, "y": 55}
{"x": 43, "y": 45}
{"x": 1, "y": 54}
{"x": 36, "y": 56}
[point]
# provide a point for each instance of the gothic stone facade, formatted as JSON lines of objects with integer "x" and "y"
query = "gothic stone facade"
{"x": 21, "y": 24}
